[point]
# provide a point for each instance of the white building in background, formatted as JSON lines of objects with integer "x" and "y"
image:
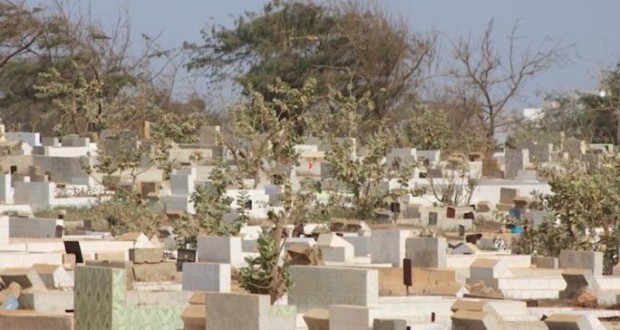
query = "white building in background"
{"x": 532, "y": 113}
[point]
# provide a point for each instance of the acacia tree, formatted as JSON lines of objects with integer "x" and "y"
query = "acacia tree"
{"x": 487, "y": 77}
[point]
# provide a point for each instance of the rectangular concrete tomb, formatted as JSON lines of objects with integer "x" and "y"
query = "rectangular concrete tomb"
{"x": 203, "y": 276}
{"x": 320, "y": 286}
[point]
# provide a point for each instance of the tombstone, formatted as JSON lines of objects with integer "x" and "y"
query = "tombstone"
{"x": 388, "y": 246}
{"x": 146, "y": 255}
{"x": 203, "y": 276}
{"x": 427, "y": 252}
{"x": 589, "y": 260}
{"x": 483, "y": 207}
{"x": 432, "y": 218}
{"x": 465, "y": 248}
{"x": 573, "y": 322}
{"x": 25, "y": 277}
{"x": 461, "y": 230}
{"x": 451, "y": 212}
{"x": 521, "y": 202}
{"x": 575, "y": 148}
{"x": 54, "y": 276}
{"x": 219, "y": 249}
{"x": 73, "y": 247}
{"x": 469, "y": 215}
{"x": 335, "y": 248}
{"x": 100, "y": 301}
{"x": 490, "y": 168}
{"x": 321, "y": 287}
{"x": 516, "y": 160}
{"x": 300, "y": 254}
{"x": 507, "y": 195}
{"x": 546, "y": 262}
{"x": 255, "y": 312}
{"x": 389, "y": 324}
{"x": 352, "y": 317}
{"x": 317, "y": 319}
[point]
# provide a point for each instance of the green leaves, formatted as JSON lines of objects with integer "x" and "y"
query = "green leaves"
{"x": 583, "y": 200}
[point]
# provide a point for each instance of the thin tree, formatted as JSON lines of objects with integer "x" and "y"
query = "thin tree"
{"x": 488, "y": 77}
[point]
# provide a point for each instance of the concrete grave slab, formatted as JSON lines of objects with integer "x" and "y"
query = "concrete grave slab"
{"x": 335, "y": 248}
{"x": 258, "y": 313}
{"x": 427, "y": 252}
{"x": 590, "y": 260}
{"x": 146, "y": 255}
{"x": 348, "y": 317}
{"x": 317, "y": 319}
{"x": 573, "y": 322}
{"x": 388, "y": 246}
{"x": 220, "y": 249}
{"x": 322, "y": 286}
{"x": 202, "y": 276}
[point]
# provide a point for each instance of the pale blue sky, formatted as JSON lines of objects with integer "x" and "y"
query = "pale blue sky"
{"x": 592, "y": 27}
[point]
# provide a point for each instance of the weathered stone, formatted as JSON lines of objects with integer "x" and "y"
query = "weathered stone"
{"x": 590, "y": 260}
{"x": 146, "y": 255}
{"x": 427, "y": 252}
{"x": 573, "y": 322}
{"x": 389, "y": 324}
{"x": 317, "y": 319}
{"x": 546, "y": 262}
{"x": 31, "y": 320}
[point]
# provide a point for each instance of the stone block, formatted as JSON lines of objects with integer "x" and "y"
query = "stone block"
{"x": 146, "y": 255}
{"x": 464, "y": 319}
{"x": 348, "y": 317}
{"x": 430, "y": 281}
{"x": 110, "y": 256}
{"x": 194, "y": 317}
{"x": 507, "y": 195}
{"x": 590, "y": 260}
{"x": 220, "y": 249}
{"x": 466, "y": 248}
{"x": 573, "y": 322}
{"x": 427, "y": 252}
{"x": 257, "y": 312}
{"x": 516, "y": 159}
{"x": 320, "y": 287}
{"x": 54, "y": 276}
{"x": 53, "y": 301}
{"x": 126, "y": 265}
{"x": 489, "y": 269}
{"x": 317, "y": 319}
{"x": 34, "y": 320}
{"x": 361, "y": 244}
{"x": 161, "y": 272}
{"x": 388, "y": 246}
{"x": 202, "y": 276}
{"x": 546, "y": 262}
{"x": 335, "y": 248}
{"x": 483, "y": 207}
{"x": 25, "y": 277}
{"x": 389, "y": 324}
{"x": 100, "y": 303}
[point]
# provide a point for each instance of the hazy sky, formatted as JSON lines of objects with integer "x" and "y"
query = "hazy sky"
{"x": 592, "y": 27}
